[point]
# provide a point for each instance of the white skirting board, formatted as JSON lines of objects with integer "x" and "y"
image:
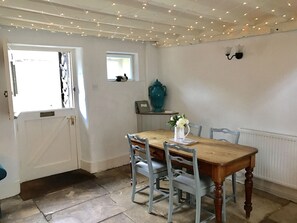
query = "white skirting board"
{"x": 276, "y": 189}
{"x": 94, "y": 167}
{"x": 270, "y": 187}
{"x": 9, "y": 188}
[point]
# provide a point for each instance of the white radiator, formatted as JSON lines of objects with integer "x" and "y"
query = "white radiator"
{"x": 276, "y": 160}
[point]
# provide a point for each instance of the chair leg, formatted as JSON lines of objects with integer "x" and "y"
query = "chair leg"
{"x": 134, "y": 182}
{"x": 158, "y": 183}
{"x": 179, "y": 195}
{"x": 198, "y": 208}
{"x": 234, "y": 186}
{"x": 170, "y": 211}
{"x": 189, "y": 198}
{"x": 151, "y": 194}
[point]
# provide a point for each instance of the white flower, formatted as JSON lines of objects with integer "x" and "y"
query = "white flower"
{"x": 178, "y": 120}
{"x": 182, "y": 122}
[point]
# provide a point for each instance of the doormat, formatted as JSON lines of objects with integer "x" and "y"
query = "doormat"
{"x": 40, "y": 187}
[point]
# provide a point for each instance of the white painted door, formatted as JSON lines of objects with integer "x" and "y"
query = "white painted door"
{"x": 47, "y": 143}
{"x": 46, "y": 138}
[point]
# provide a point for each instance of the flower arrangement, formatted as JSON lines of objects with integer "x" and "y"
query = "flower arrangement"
{"x": 178, "y": 121}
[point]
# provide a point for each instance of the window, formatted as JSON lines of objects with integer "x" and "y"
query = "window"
{"x": 41, "y": 80}
{"x": 119, "y": 64}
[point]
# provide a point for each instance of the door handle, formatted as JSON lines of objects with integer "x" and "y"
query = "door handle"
{"x": 72, "y": 120}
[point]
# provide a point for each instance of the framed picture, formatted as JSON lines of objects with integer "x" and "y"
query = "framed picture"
{"x": 142, "y": 107}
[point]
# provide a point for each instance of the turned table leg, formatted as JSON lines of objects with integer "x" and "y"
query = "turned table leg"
{"x": 248, "y": 191}
{"x": 218, "y": 201}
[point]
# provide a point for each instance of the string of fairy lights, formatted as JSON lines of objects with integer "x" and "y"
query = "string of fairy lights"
{"x": 164, "y": 23}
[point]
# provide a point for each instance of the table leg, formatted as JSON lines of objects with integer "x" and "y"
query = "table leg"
{"x": 248, "y": 191}
{"x": 218, "y": 201}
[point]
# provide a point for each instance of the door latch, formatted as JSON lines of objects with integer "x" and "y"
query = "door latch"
{"x": 71, "y": 119}
{"x": 6, "y": 94}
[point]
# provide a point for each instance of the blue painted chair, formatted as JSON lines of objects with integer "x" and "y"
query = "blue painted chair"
{"x": 3, "y": 174}
{"x": 195, "y": 129}
{"x": 227, "y": 135}
{"x": 142, "y": 163}
{"x": 193, "y": 183}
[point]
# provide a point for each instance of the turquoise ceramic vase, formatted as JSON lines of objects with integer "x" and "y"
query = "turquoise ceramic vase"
{"x": 157, "y": 93}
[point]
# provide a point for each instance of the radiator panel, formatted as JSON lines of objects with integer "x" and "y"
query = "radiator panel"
{"x": 276, "y": 160}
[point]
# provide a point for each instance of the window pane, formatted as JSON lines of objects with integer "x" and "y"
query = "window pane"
{"x": 118, "y": 65}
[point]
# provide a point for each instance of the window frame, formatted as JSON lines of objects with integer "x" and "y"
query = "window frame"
{"x": 133, "y": 64}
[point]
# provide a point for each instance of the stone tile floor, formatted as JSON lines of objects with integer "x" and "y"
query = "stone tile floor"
{"x": 107, "y": 199}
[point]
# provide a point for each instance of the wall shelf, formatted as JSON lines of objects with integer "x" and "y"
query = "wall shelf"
{"x": 153, "y": 120}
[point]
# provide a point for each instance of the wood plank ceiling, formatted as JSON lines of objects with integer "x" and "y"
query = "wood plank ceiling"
{"x": 165, "y": 23}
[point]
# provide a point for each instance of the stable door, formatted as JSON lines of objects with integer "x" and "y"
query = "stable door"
{"x": 47, "y": 143}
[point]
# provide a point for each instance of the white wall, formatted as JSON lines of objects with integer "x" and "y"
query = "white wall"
{"x": 110, "y": 113}
{"x": 259, "y": 91}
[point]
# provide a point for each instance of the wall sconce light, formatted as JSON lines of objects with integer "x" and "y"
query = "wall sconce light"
{"x": 238, "y": 55}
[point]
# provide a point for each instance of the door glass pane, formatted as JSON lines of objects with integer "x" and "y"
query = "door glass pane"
{"x": 66, "y": 80}
{"x": 38, "y": 81}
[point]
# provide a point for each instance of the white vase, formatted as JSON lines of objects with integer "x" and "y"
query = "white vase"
{"x": 179, "y": 133}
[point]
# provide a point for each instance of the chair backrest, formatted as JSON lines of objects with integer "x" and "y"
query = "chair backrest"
{"x": 139, "y": 151}
{"x": 224, "y": 134}
{"x": 174, "y": 160}
{"x": 195, "y": 129}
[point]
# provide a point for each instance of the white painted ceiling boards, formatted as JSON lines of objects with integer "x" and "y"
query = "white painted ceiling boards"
{"x": 163, "y": 22}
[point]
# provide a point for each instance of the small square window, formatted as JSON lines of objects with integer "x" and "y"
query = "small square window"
{"x": 119, "y": 64}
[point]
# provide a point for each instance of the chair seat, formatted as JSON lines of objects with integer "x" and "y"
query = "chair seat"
{"x": 158, "y": 167}
{"x": 187, "y": 183}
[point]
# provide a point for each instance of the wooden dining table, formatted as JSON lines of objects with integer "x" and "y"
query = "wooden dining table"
{"x": 216, "y": 159}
